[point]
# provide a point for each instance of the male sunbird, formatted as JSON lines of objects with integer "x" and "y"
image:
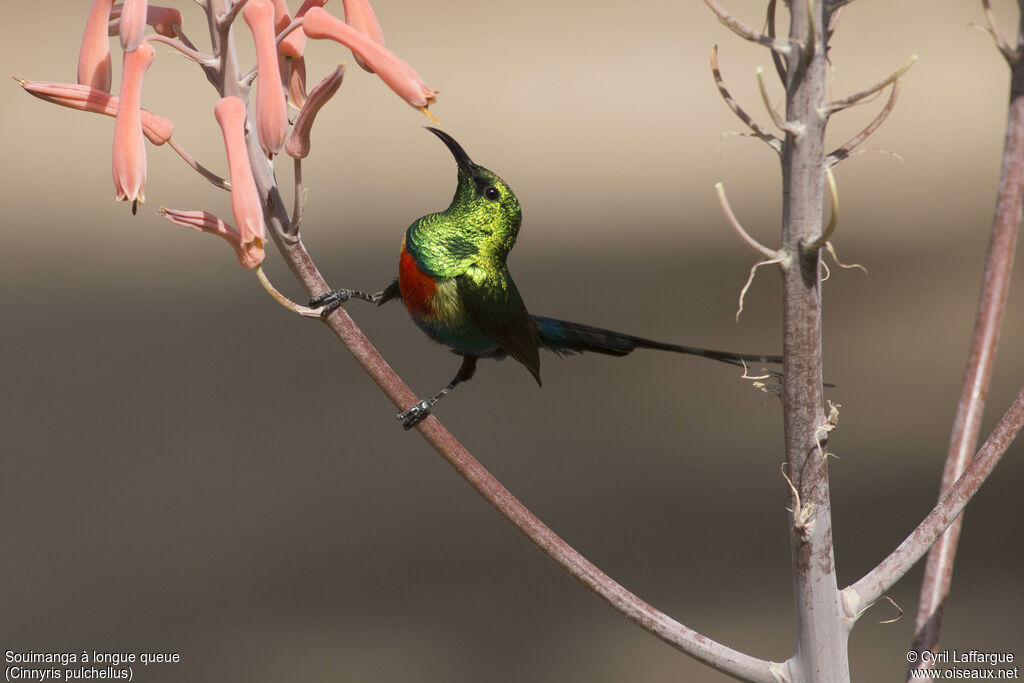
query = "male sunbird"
{"x": 453, "y": 280}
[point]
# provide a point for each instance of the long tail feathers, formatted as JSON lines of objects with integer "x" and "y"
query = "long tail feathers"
{"x": 564, "y": 337}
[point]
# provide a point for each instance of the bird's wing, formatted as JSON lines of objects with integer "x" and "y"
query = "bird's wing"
{"x": 495, "y": 306}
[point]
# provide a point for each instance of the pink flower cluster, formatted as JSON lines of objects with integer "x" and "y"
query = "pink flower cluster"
{"x": 280, "y": 78}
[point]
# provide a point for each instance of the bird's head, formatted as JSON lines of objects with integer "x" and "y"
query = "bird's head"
{"x": 484, "y": 204}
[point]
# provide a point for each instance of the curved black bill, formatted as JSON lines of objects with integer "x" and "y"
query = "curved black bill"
{"x": 461, "y": 158}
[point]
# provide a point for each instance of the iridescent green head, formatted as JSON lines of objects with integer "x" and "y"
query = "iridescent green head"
{"x": 484, "y": 208}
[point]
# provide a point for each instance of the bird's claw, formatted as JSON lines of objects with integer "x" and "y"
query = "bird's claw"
{"x": 330, "y": 301}
{"x": 415, "y": 414}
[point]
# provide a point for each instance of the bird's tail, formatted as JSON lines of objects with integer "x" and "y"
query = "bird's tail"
{"x": 564, "y": 338}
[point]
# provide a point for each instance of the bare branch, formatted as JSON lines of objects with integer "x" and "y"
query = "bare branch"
{"x": 755, "y": 246}
{"x": 845, "y": 150}
{"x": 811, "y": 42}
{"x": 758, "y": 130}
{"x": 199, "y": 58}
{"x": 782, "y": 124}
{"x": 294, "y": 24}
{"x": 821, "y": 653}
{"x": 746, "y": 32}
{"x": 780, "y": 65}
{"x": 899, "y": 562}
{"x": 837, "y": 105}
{"x": 280, "y": 298}
{"x": 629, "y": 605}
{"x": 834, "y": 15}
{"x": 1011, "y": 54}
{"x": 984, "y": 343}
{"x": 224, "y": 20}
{"x": 657, "y": 623}
{"x": 203, "y": 171}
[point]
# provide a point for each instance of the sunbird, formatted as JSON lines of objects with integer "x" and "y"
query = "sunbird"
{"x": 456, "y": 286}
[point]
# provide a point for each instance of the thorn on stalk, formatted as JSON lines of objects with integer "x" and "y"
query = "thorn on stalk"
{"x": 1011, "y": 54}
{"x": 834, "y": 12}
{"x": 777, "y": 59}
{"x": 743, "y": 116}
{"x": 304, "y": 311}
{"x": 746, "y": 32}
{"x": 783, "y": 125}
{"x": 846, "y": 150}
{"x": 811, "y": 46}
{"x": 856, "y": 97}
{"x": 754, "y": 245}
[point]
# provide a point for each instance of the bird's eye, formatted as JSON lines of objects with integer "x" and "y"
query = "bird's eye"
{"x": 492, "y": 193}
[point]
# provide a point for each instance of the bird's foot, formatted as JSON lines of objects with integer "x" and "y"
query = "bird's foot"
{"x": 330, "y": 301}
{"x": 416, "y": 413}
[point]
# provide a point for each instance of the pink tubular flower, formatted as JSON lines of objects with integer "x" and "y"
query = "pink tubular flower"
{"x": 94, "y": 55}
{"x": 293, "y": 64}
{"x": 162, "y": 19}
{"x": 289, "y": 55}
{"x": 398, "y": 75}
{"x": 298, "y": 143}
{"x": 359, "y": 15}
{"x": 281, "y": 16}
{"x": 133, "y": 24}
{"x": 296, "y": 78}
{"x": 129, "y": 150}
{"x": 157, "y": 128}
{"x": 245, "y": 201}
{"x": 271, "y": 109}
{"x": 294, "y": 43}
{"x": 249, "y": 255}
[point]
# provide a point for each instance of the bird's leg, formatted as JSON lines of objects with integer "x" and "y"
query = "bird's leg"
{"x": 336, "y": 297}
{"x": 418, "y": 412}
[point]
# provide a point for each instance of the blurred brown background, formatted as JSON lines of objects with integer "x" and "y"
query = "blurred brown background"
{"x": 189, "y": 468}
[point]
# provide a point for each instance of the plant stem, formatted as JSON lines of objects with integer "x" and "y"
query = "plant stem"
{"x": 880, "y": 579}
{"x": 821, "y": 652}
{"x": 938, "y": 573}
{"x": 700, "y": 647}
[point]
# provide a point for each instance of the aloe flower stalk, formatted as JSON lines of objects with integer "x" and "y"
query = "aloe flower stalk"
{"x": 133, "y": 24}
{"x": 245, "y": 201}
{"x": 162, "y": 19}
{"x": 360, "y": 16}
{"x": 94, "y": 55}
{"x": 395, "y": 73}
{"x": 129, "y": 158}
{"x": 250, "y": 255}
{"x": 271, "y": 108}
{"x": 298, "y": 143}
{"x": 75, "y": 96}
